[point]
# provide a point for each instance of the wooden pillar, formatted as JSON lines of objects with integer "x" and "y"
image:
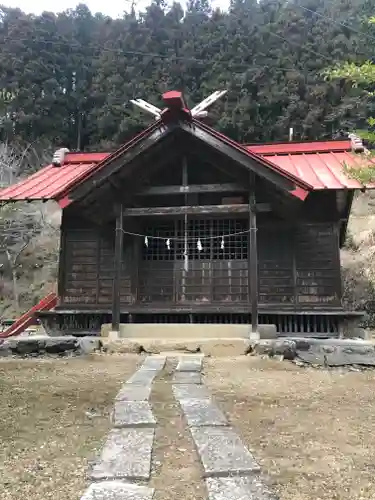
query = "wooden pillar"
{"x": 253, "y": 257}
{"x": 186, "y": 244}
{"x": 135, "y": 257}
{"x": 119, "y": 237}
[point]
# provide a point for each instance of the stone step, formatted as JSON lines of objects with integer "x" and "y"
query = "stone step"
{"x": 126, "y": 455}
{"x": 117, "y": 490}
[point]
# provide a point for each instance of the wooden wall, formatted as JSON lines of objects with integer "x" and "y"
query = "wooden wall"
{"x": 87, "y": 265}
{"x": 298, "y": 268}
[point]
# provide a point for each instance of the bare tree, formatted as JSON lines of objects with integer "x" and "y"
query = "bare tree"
{"x": 20, "y": 222}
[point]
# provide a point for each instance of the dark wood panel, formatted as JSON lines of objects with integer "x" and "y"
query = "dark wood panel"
{"x": 298, "y": 268}
{"x": 318, "y": 278}
{"x": 276, "y": 270}
{"x": 194, "y": 188}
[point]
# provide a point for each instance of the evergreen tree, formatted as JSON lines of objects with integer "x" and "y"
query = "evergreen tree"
{"x": 68, "y": 79}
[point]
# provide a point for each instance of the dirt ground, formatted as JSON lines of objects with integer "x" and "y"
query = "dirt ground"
{"x": 53, "y": 420}
{"x": 311, "y": 430}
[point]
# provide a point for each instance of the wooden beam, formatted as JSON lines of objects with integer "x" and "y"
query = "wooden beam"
{"x": 194, "y": 188}
{"x": 119, "y": 237}
{"x": 116, "y": 185}
{"x": 253, "y": 257}
{"x": 194, "y": 210}
{"x": 252, "y": 162}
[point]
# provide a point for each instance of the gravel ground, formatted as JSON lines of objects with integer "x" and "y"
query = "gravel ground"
{"x": 53, "y": 420}
{"x": 311, "y": 430}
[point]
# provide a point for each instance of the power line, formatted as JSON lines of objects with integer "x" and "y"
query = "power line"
{"x": 249, "y": 67}
{"x": 295, "y": 43}
{"x": 338, "y": 23}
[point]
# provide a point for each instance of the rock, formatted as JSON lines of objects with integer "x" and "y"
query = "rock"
{"x": 88, "y": 345}
{"x": 298, "y": 362}
{"x": 25, "y": 346}
{"x": 122, "y": 346}
{"x": 358, "y": 349}
{"x": 315, "y": 357}
{"x": 361, "y": 333}
{"x": 328, "y": 349}
{"x": 58, "y": 345}
{"x": 5, "y": 350}
{"x": 263, "y": 347}
{"x": 302, "y": 344}
{"x": 284, "y": 347}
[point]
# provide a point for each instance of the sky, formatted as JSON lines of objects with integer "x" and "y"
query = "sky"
{"x": 111, "y": 8}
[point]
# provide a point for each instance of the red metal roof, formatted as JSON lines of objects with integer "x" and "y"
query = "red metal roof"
{"x": 48, "y": 183}
{"x": 301, "y": 147}
{"x": 319, "y": 164}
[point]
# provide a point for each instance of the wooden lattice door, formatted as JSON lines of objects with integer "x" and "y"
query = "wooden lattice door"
{"x": 201, "y": 261}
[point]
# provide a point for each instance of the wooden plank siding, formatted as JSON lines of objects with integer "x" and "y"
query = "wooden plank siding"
{"x": 298, "y": 268}
{"x": 89, "y": 267}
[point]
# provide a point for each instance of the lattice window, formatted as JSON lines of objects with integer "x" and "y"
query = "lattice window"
{"x": 156, "y": 248}
{"x": 206, "y": 240}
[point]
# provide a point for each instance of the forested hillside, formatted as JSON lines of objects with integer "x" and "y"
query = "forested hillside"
{"x": 67, "y": 79}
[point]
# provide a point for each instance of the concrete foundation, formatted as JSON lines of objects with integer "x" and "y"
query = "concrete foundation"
{"x": 208, "y": 347}
{"x": 190, "y": 331}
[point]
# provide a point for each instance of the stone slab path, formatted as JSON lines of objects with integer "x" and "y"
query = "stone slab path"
{"x": 185, "y": 377}
{"x": 190, "y": 364}
{"x": 223, "y": 453}
{"x": 229, "y": 470}
{"x": 188, "y": 391}
{"x": 143, "y": 377}
{"x": 127, "y": 452}
{"x": 237, "y": 488}
{"x": 202, "y": 412}
{"x": 117, "y": 490}
{"x": 126, "y": 455}
{"x": 132, "y": 392}
{"x": 133, "y": 414}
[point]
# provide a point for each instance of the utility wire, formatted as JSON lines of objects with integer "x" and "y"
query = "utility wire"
{"x": 296, "y": 43}
{"x": 248, "y": 67}
{"x": 338, "y": 23}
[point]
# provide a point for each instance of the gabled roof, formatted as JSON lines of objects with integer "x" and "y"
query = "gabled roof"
{"x": 320, "y": 164}
{"x": 304, "y": 166}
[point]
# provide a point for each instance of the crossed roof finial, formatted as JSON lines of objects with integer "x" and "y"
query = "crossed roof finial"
{"x": 176, "y": 105}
